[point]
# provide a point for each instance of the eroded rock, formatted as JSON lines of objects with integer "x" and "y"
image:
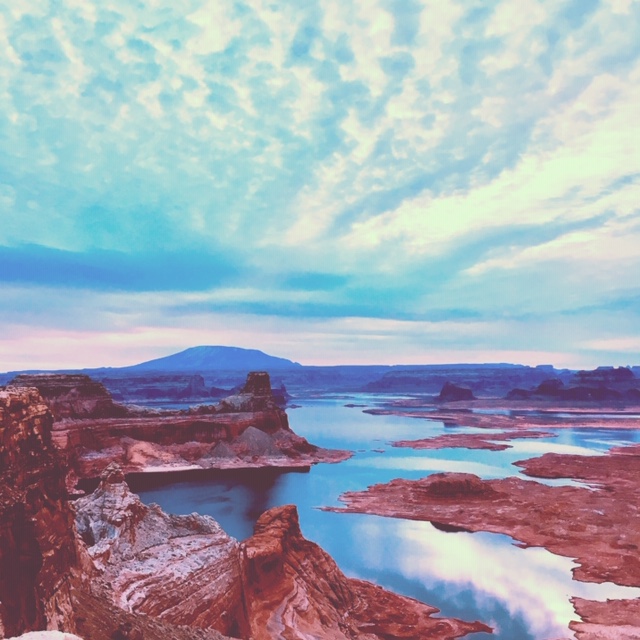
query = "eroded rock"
{"x": 248, "y": 429}
{"x": 37, "y": 545}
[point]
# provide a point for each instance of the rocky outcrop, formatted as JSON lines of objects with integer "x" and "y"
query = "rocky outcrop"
{"x": 255, "y": 395}
{"x": 274, "y": 585}
{"x": 72, "y": 395}
{"x": 245, "y": 430}
{"x": 195, "y": 389}
{"x": 600, "y": 386}
{"x": 45, "y": 571}
{"x": 599, "y": 528}
{"x": 37, "y": 545}
{"x": 180, "y": 569}
{"x": 295, "y": 590}
{"x": 610, "y": 620}
{"x": 491, "y": 442}
{"x": 451, "y": 392}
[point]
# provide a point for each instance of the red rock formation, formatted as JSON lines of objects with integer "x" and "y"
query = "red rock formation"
{"x": 181, "y": 569}
{"x": 274, "y": 585}
{"x": 44, "y": 568}
{"x": 72, "y": 395}
{"x": 149, "y": 572}
{"x": 451, "y": 392}
{"x": 472, "y": 440}
{"x": 245, "y": 430}
{"x": 294, "y": 590}
{"x": 610, "y": 620}
{"x": 599, "y": 527}
{"x": 37, "y": 543}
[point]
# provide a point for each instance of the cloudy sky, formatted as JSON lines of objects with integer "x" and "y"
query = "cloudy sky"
{"x": 333, "y": 181}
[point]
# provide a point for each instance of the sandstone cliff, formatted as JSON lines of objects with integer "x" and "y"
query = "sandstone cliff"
{"x": 72, "y": 395}
{"x": 37, "y": 543}
{"x": 247, "y": 429}
{"x": 276, "y": 584}
{"x": 45, "y": 571}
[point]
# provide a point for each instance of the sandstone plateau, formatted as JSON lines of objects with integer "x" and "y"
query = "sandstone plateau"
{"x": 110, "y": 568}
{"x": 245, "y": 430}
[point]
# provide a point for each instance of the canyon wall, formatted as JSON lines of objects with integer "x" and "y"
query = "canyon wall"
{"x": 109, "y": 567}
{"x": 244, "y": 430}
{"x": 37, "y": 542}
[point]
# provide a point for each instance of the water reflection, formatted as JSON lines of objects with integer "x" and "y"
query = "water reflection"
{"x": 533, "y": 584}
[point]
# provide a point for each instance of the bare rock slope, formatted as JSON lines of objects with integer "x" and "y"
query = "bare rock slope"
{"x": 276, "y": 584}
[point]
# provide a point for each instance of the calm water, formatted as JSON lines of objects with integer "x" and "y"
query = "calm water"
{"x": 524, "y": 593}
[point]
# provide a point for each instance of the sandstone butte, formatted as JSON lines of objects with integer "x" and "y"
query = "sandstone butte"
{"x": 246, "y": 430}
{"x": 111, "y": 568}
{"x": 598, "y": 525}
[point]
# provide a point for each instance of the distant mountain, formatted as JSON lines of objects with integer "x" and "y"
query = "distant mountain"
{"x": 208, "y": 358}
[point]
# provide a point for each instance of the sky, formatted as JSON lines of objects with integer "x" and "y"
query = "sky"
{"x": 332, "y": 181}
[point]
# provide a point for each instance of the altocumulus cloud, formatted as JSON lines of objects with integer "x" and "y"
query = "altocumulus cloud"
{"x": 464, "y": 165}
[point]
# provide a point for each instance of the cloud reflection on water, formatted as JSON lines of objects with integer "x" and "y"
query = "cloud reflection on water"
{"x": 531, "y": 583}
{"x": 430, "y": 464}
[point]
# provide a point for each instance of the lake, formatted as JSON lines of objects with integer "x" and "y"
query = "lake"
{"x": 523, "y": 593}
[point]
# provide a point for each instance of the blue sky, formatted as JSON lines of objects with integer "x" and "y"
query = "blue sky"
{"x": 334, "y": 181}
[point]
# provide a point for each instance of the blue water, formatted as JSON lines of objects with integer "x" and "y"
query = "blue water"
{"x": 523, "y": 593}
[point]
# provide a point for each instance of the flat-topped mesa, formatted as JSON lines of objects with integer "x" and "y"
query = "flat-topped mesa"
{"x": 247, "y": 429}
{"x": 72, "y": 395}
{"x": 37, "y": 544}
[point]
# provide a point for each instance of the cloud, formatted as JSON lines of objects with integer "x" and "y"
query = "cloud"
{"x": 112, "y": 270}
{"x": 378, "y": 160}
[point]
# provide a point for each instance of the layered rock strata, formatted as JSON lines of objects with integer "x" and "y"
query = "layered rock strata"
{"x": 274, "y": 585}
{"x": 610, "y": 620}
{"x": 72, "y": 395}
{"x": 132, "y": 572}
{"x": 37, "y": 542}
{"x": 181, "y": 569}
{"x": 295, "y": 590}
{"x": 45, "y": 571}
{"x": 244, "y": 430}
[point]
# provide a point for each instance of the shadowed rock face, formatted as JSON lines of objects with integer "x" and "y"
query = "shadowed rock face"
{"x": 453, "y": 392}
{"x": 600, "y": 386}
{"x": 37, "y": 543}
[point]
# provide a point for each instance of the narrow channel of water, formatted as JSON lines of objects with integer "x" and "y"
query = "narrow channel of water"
{"x": 523, "y": 593}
